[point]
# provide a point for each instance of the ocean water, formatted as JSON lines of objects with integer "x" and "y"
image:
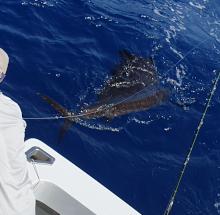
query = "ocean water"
{"x": 66, "y": 49}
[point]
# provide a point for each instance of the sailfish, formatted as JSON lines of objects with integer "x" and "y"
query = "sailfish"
{"x": 132, "y": 86}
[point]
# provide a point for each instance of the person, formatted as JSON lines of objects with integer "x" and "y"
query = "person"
{"x": 16, "y": 193}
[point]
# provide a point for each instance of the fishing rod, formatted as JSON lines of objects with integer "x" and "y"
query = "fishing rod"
{"x": 171, "y": 201}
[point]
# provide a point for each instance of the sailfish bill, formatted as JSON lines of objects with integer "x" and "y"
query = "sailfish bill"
{"x": 132, "y": 86}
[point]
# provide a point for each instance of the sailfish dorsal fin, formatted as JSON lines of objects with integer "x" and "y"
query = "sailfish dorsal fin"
{"x": 130, "y": 75}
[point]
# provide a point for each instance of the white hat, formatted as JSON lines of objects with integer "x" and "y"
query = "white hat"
{"x": 4, "y": 59}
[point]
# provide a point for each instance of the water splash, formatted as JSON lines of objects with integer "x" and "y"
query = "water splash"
{"x": 97, "y": 126}
{"x": 40, "y": 3}
{"x": 217, "y": 205}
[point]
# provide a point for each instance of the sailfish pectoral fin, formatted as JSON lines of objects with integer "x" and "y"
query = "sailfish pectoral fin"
{"x": 180, "y": 105}
{"x": 64, "y": 113}
{"x": 108, "y": 119}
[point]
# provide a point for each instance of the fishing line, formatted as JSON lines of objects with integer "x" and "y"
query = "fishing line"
{"x": 112, "y": 105}
{"x": 170, "y": 204}
{"x": 98, "y": 109}
{"x": 188, "y": 53}
{"x": 52, "y": 117}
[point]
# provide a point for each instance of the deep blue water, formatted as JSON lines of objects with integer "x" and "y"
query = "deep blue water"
{"x": 65, "y": 49}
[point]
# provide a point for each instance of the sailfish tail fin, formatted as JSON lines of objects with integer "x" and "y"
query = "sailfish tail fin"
{"x": 64, "y": 113}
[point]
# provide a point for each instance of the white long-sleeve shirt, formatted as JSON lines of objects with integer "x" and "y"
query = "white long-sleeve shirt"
{"x": 16, "y": 194}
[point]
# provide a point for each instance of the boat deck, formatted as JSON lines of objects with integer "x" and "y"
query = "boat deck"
{"x": 65, "y": 189}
